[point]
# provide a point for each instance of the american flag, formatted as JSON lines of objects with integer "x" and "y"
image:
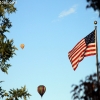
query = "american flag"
{"x": 86, "y": 47}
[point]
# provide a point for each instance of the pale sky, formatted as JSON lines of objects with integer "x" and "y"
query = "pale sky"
{"x": 49, "y": 30}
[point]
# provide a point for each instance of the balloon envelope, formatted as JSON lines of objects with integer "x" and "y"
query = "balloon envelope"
{"x": 22, "y": 46}
{"x": 41, "y": 89}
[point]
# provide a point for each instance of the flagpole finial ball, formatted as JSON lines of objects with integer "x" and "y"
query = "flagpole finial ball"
{"x": 95, "y": 22}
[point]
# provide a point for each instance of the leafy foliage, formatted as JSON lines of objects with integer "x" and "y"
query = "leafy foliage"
{"x": 95, "y": 4}
{"x": 2, "y": 92}
{"x": 15, "y": 94}
{"x": 88, "y": 89}
{"x": 7, "y": 50}
{"x": 6, "y": 46}
{"x": 7, "y": 6}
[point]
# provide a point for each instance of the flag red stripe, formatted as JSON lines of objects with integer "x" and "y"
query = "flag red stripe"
{"x": 90, "y": 50}
{"x": 81, "y": 58}
{"x": 76, "y": 54}
{"x": 76, "y": 48}
{"x": 90, "y": 54}
{"x": 71, "y": 55}
{"x": 77, "y": 45}
{"x": 80, "y": 51}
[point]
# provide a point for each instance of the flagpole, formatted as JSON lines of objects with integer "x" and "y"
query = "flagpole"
{"x": 97, "y": 62}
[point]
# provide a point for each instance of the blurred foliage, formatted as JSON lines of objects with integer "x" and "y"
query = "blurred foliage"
{"x": 15, "y": 94}
{"x": 88, "y": 89}
{"x": 7, "y": 50}
{"x": 95, "y": 4}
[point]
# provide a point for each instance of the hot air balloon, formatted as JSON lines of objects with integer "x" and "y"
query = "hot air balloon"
{"x": 41, "y": 89}
{"x": 22, "y": 46}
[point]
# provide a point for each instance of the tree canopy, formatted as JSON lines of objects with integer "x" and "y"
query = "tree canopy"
{"x": 88, "y": 89}
{"x": 95, "y": 4}
{"x": 7, "y": 50}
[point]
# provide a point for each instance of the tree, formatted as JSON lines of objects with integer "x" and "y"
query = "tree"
{"x": 6, "y": 46}
{"x": 95, "y": 4}
{"x": 88, "y": 89}
{"x": 7, "y": 50}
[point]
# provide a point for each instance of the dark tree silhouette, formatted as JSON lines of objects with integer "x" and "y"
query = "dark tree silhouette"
{"x": 88, "y": 89}
{"x": 95, "y": 4}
